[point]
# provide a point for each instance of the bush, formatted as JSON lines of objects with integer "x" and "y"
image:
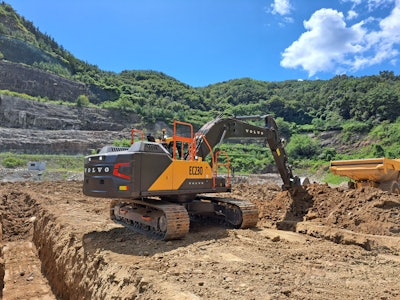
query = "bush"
{"x": 378, "y": 151}
{"x": 122, "y": 143}
{"x": 285, "y": 128}
{"x": 13, "y": 162}
{"x": 302, "y": 146}
{"x": 82, "y": 101}
{"x": 328, "y": 154}
{"x": 355, "y": 126}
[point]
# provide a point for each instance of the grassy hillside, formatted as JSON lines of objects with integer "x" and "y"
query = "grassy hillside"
{"x": 364, "y": 111}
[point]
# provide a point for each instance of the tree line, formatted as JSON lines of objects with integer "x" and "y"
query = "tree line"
{"x": 346, "y": 103}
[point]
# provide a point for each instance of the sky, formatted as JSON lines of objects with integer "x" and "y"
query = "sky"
{"x": 202, "y": 42}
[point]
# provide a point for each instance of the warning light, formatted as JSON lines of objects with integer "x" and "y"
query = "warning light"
{"x": 123, "y": 187}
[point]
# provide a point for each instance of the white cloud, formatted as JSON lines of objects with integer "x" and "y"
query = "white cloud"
{"x": 324, "y": 44}
{"x": 285, "y": 21}
{"x": 383, "y": 42}
{"x": 355, "y": 2}
{"x": 289, "y": 20}
{"x": 329, "y": 45}
{"x": 281, "y": 7}
{"x": 374, "y": 4}
{"x": 351, "y": 14}
{"x": 371, "y": 4}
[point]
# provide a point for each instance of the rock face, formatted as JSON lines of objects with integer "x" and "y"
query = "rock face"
{"x": 71, "y": 142}
{"x": 20, "y": 113}
{"x": 34, "y": 127}
{"x": 38, "y": 83}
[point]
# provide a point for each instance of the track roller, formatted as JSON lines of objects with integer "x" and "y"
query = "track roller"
{"x": 156, "y": 219}
{"x": 234, "y": 213}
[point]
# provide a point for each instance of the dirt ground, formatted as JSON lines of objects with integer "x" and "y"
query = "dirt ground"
{"x": 323, "y": 243}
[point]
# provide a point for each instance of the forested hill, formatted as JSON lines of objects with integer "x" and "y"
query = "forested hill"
{"x": 343, "y": 102}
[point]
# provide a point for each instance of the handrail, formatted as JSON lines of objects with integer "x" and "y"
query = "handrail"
{"x": 227, "y": 165}
{"x": 134, "y": 132}
{"x": 214, "y": 161}
{"x": 201, "y": 135}
{"x": 188, "y": 140}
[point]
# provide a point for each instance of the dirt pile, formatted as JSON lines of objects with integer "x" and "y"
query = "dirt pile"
{"x": 86, "y": 256}
{"x": 359, "y": 217}
{"x": 368, "y": 211}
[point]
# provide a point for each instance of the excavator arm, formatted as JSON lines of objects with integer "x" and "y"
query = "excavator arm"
{"x": 220, "y": 129}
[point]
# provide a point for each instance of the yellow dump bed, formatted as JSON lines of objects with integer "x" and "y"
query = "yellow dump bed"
{"x": 371, "y": 169}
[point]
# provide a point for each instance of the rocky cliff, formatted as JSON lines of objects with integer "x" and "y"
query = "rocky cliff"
{"x": 17, "y": 112}
{"x": 35, "y": 127}
{"x": 25, "y": 79}
{"x": 38, "y": 83}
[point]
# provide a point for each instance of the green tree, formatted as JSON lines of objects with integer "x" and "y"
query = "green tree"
{"x": 378, "y": 151}
{"x": 82, "y": 101}
{"x": 284, "y": 128}
{"x": 302, "y": 146}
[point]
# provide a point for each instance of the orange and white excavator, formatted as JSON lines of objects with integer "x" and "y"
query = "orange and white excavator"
{"x": 160, "y": 183}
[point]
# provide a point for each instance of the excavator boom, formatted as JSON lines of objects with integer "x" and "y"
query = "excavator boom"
{"x": 220, "y": 129}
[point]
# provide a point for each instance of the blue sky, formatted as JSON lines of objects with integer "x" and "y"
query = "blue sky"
{"x": 208, "y": 41}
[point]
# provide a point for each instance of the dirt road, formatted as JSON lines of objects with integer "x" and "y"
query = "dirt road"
{"x": 337, "y": 244}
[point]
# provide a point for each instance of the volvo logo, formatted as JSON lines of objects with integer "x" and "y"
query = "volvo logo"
{"x": 254, "y": 131}
{"x": 97, "y": 170}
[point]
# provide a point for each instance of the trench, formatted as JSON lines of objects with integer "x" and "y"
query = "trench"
{"x": 20, "y": 267}
{"x": 44, "y": 256}
{"x": 31, "y": 263}
{"x": 2, "y": 271}
{"x": 40, "y": 258}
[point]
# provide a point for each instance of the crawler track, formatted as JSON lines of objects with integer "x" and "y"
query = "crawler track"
{"x": 235, "y": 213}
{"x": 156, "y": 219}
{"x": 168, "y": 221}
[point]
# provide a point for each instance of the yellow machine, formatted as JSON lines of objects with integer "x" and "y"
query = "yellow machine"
{"x": 382, "y": 173}
{"x": 163, "y": 182}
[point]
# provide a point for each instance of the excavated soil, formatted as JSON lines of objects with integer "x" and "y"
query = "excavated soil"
{"x": 322, "y": 243}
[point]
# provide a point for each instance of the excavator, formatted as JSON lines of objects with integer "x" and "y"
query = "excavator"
{"x": 157, "y": 186}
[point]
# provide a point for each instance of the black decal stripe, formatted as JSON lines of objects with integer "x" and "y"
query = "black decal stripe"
{"x": 152, "y": 166}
